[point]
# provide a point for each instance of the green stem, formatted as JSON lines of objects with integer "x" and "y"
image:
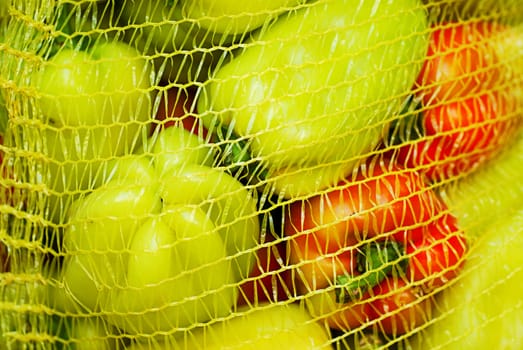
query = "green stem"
{"x": 409, "y": 124}
{"x": 236, "y": 157}
{"x": 377, "y": 261}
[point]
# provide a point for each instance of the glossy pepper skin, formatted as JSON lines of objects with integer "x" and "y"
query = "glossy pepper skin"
{"x": 438, "y": 256}
{"x": 382, "y": 201}
{"x": 93, "y": 105}
{"x": 163, "y": 241}
{"x": 191, "y": 35}
{"x": 231, "y": 17}
{"x": 487, "y": 292}
{"x": 268, "y": 326}
{"x": 458, "y": 137}
{"x": 382, "y": 222}
{"x": 467, "y": 102}
{"x": 460, "y": 61}
{"x": 484, "y": 302}
{"x": 269, "y": 280}
{"x": 311, "y": 93}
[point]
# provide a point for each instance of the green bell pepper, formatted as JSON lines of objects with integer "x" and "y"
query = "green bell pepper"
{"x": 312, "y": 94}
{"x": 232, "y": 17}
{"x": 188, "y": 38}
{"x": 482, "y": 310}
{"x": 159, "y": 30}
{"x": 93, "y": 105}
{"x": 68, "y": 326}
{"x": 268, "y": 326}
{"x": 163, "y": 241}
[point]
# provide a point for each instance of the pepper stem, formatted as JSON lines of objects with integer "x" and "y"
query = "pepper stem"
{"x": 236, "y": 157}
{"x": 409, "y": 125}
{"x": 376, "y": 262}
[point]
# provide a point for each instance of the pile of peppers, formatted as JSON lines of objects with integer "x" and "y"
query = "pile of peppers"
{"x": 160, "y": 228}
{"x": 373, "y": 248}
{"x": 307, "y": 97}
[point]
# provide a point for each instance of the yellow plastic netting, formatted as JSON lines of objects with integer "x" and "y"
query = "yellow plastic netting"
{"x": 283, "y": 174}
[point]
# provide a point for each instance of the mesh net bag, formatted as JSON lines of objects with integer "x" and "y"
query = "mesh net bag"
{"x": 285, "y": 174}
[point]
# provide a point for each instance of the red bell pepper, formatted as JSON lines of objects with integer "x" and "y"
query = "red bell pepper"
{"x": 467, "y": 110}
{"x": 384, "y": 222}
{"x": 438, "y": 257}
{"x": 177, "y": 107}
{"x": 269, "y": 280}
{"x": 454, "y": 138}
{"x": 460, "y": 61}
{"x": 399, "y": 307}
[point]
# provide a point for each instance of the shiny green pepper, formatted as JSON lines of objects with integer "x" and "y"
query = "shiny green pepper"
{"x": 186, "y": 39}
{"x": 268, "y": 326}
{"x": 92, "y": 105}
{"x": 482, "y": 310}
{"x": 232, "y": 17}
{"x": 163, "y": 241}
{"x": 313, "y": 93}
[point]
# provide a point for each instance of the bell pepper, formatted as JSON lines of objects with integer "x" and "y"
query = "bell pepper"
{"x": 460, "y": 61}
{"x": 311, "y": 94}
{"x": 92, "y": 105}
{"x": 383, "y": 222}
{"x": 159, "y": 30}
{"x": 163, "y": 241}
{"x": 469, "y": 102}
{"x": 188, "y": 39}
{"x": 466, "y": 11}
{"x": 230, "y": 17}
{"x": 268, "y": 326}
{"x": 482, "y": 309}
{"x": 177, "y": 107}
{"x": 269, "y": 280}
{"x": 456, "y": 138}
{"x": 68, "y": 326}
{"x": 399, "y": 307}
{"x": 403, "y": 301}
